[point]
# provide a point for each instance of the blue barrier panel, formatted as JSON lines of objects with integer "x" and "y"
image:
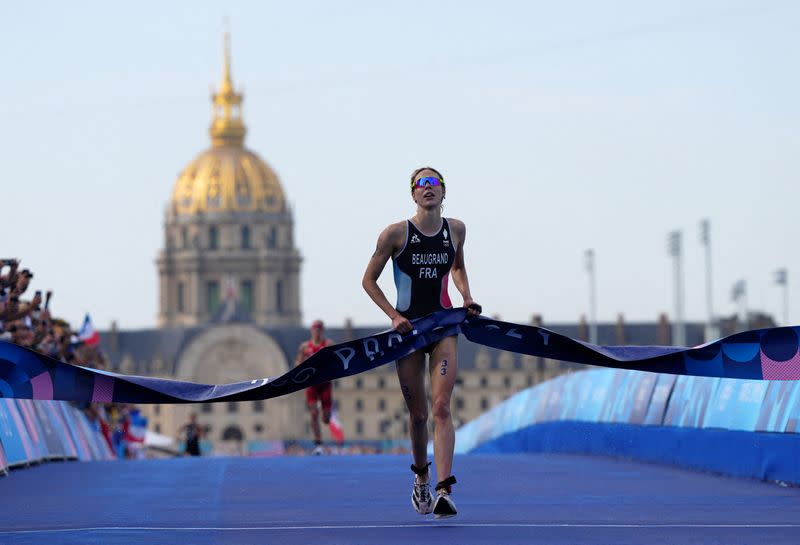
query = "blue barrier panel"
{"x": 56, "y": 416}
{"x": 593, "y": 388}
{"x": 79, "y": 438}
{"x": 3, "y": 460}
{"x": 25, "y": 407}
{"x": 52, "y": 439}
{"x": 14, "y": 435}
{"x": 689, "y": 401}
{"x": 658, "y": 401}
{"x": 766, "y": 456}
{"x": 736, "y": 405}
{"x": 629, "y": 398}
{"x": 776, "y": 408}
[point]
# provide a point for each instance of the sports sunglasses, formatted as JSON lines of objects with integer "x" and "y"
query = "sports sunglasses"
{"x": 428, "y": 180}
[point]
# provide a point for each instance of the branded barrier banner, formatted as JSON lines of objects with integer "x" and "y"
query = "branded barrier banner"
{"x": 781, "y": 404}
{"x": 14, "y": 434}
{"x": 3, "y": 460}
{"x": 759, "y": 354}
{"x": 34, "y": 429}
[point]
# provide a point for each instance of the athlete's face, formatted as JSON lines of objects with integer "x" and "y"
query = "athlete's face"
{"x": 317, "y": 331}
{"x": 428, "y": 196}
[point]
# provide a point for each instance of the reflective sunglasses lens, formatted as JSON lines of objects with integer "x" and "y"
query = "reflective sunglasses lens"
{"x": 428, "y": 180}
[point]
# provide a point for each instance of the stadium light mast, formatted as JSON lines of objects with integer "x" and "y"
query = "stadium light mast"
{"x": 589, "y": 260}
{"x": 705, "y": 239}
{"x": 782, "y": 279}
{"x": 739, "y": 295}
{"x": 675, "y": 250}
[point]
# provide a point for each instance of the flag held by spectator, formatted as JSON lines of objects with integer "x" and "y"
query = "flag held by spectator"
{"x": 335, "y": 426}
{"x": 88, "y": 334}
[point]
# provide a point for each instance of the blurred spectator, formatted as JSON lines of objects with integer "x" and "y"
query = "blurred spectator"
{"x": 191, "y": 433}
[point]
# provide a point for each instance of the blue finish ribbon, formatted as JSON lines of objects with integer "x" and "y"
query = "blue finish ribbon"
{"x": 769, "y": 354}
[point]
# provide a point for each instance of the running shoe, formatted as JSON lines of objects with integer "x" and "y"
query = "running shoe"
{"x": 318, "y": 451}
{"x": 444, "y": 506}
{"x": 421, "y": 497}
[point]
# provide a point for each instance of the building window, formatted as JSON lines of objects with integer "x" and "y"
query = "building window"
{"x": 246, "y": 295}
{"x": 184, "y": 237}
{"x": 381, "y": 404}
{"x": 181, "y": 295}
{"x": 158, "y": 428}
{"x": 359, "y": 427}
{"x": 212, "y": 296}
{"x": 246, "y": 237}
{"x": 233, "y": 407}
{"x": 279, "y": 296}
{"x": 460, "y": 403}
{"x": 156, "y": 409}
{"x": 258, "y": 406}
{"x": 530, "y": 380}
{"x": 359, "y": 384}
{"x": 484, "y": 403}
{"x": 258, "y": 428}
{"x": 359, "y": 405}
{"x": 507, "y": 382}
{"x": 272, "y": 238}
{"x": 484, "y": 382}
{"x": 207, "y": 408}
{"x": 381, "y": 383}
{"x": 213, "y": 237}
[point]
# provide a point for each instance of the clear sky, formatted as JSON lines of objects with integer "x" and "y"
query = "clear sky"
{"x": 559, "y": 126}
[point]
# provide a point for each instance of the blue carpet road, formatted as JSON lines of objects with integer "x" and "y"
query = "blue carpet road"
{"x": 502, "y": 499}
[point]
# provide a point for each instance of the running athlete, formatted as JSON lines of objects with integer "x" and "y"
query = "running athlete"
{"x": 321, "y": 394}
{"x": 425, "y": 251}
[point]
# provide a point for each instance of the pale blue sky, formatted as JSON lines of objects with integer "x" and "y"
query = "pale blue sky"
{"x": 559, "y": 126}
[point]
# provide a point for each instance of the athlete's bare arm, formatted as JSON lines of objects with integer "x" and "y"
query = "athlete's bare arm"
{"x": 301, "y": 353}
{"x": 390, "y": 242}
{"x": 459, "y": 270}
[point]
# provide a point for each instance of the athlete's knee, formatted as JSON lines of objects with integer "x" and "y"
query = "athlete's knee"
{"x": 326, "y": 417}
{"x": 441, "y": 408}
{"x": 314, "y": 412}
{"x": 418, "y": 419}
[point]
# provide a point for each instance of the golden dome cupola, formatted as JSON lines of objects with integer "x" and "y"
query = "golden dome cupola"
{"x": 227, "y": 127}
{"x": 227, "y": 177}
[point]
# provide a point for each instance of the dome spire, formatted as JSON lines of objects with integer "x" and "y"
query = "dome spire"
{"x": 227, "y": 127}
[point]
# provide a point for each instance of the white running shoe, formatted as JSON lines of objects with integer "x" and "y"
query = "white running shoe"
{"x": 421, "y": 497}
{"x": 444, "y": 506}
{"x": 318, "y": 451}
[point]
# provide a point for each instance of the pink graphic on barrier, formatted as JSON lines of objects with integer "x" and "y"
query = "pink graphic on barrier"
{"x": 103, "y": 389}
{"x": 780, "y": 370}
{"x": 42, "y": 386}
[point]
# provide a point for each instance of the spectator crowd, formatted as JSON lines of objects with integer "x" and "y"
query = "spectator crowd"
{"x": 27, "y": 321}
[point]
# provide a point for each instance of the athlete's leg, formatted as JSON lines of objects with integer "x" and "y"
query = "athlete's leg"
{"x": 326, "y": 400}
{"x": 411, "y": 372}
{"x": 443, "y": 369}
{"x": 311, "y": 403}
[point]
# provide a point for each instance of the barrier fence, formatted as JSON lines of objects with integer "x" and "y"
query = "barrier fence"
{"x": 37, "y": 431}
{"x": 734, "y": 426}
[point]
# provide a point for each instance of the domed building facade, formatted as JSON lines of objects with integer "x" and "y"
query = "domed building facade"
{"x": 228, "y": 231}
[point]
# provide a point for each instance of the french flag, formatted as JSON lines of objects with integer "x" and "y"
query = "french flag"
{"x": 336, "y": 427}
{"x": 88, "y": 334}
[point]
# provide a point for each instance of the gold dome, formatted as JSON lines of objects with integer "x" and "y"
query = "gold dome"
{"x": 228, "y": 177}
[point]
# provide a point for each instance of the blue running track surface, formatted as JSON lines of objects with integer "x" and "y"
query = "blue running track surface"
{"x": 502, "y": 499}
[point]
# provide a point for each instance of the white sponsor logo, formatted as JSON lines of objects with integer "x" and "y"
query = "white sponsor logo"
{"x": 414, "y": 238}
